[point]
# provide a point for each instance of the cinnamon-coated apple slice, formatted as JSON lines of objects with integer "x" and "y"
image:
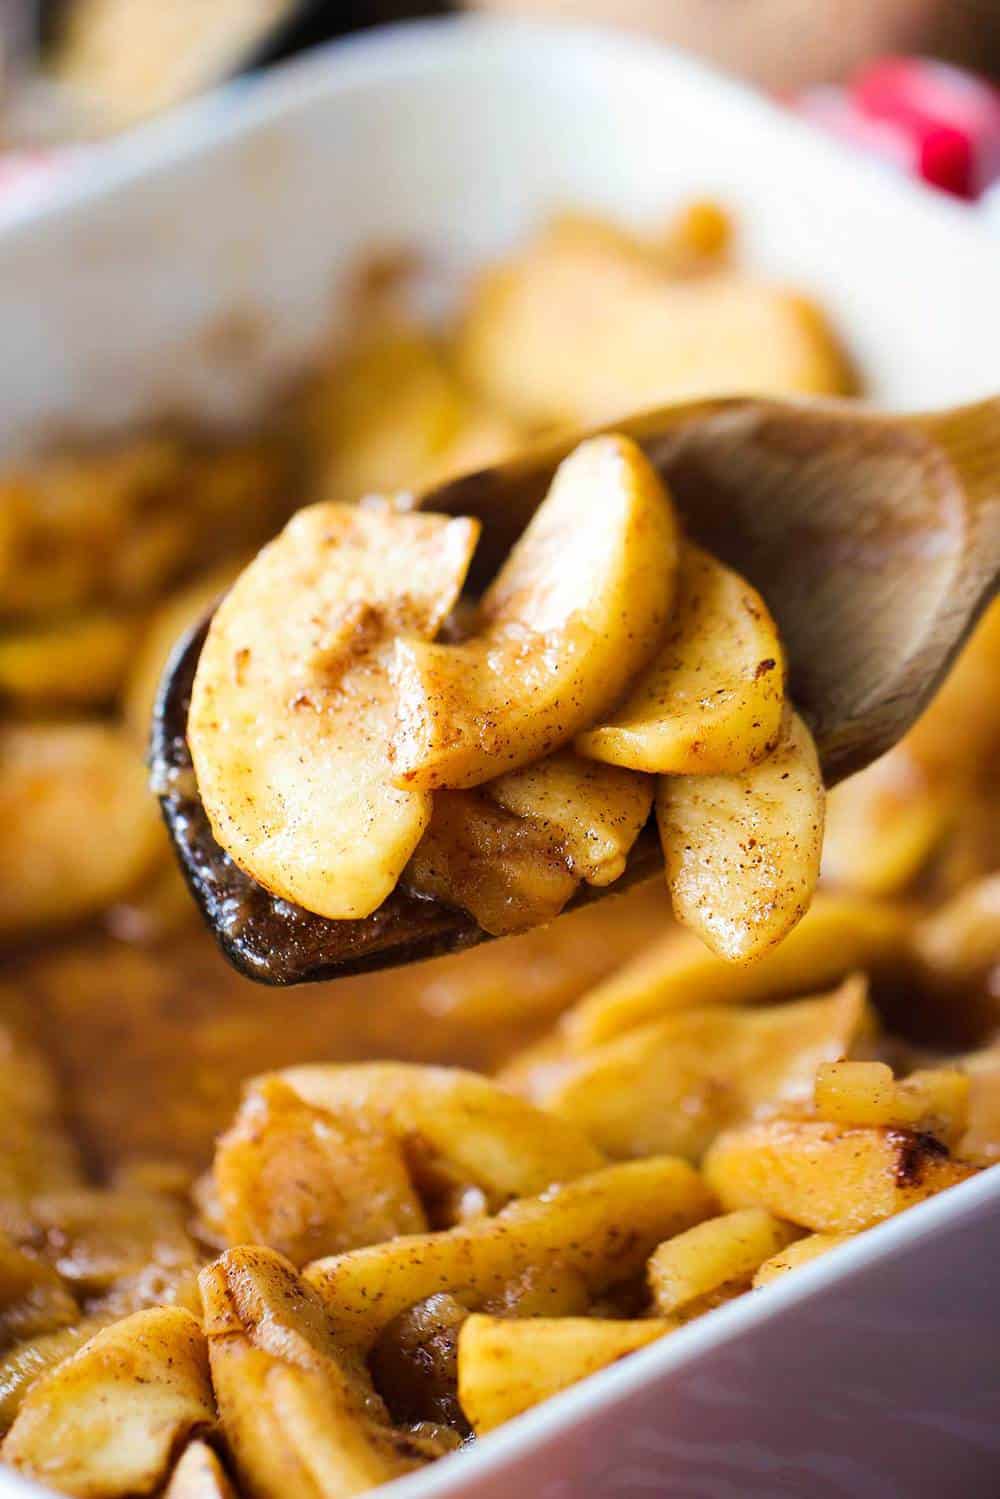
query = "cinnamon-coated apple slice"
{"x": 513, "y": 852}
{"x": 576, "y": 612}
{"x": 596, "y": 811}
{"x": 293, "y": 707}
{"x": 742, "y": 852}
{"x": 710, "y": 703}
{"x": 510, "y": 873}
{"x": 299, "y": 1413}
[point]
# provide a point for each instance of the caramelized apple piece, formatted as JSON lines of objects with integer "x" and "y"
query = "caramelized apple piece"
{"x": 981, "y": 1141}
{"x": 705, "y": 1265}
{"x": 108, "y": 1420}
{"x": 38, "y": 1154}
{"x": 199, "y": 1475}
{"x": 828, "y": 1177}
{"x": 506, "y": 1367}
{"x": 711, "y": 701}
{"x": 391, "y": 414}
{"x": 26, "y": 1362}
{"x": 932, "y": 1101}
{"x": 595, "y": 811}
{"x": 838, "y": 935}
{"x": 742, "y": 852}
{"x": 33, "y": 1298}
{"x": 883, "y": 824}
{"x": 453, "y": 1126}
{"x": 510, "y": 873}
{"x": 301, "y": 1179}
{"x": 102, "y": 1242}
{"x": 298, "y": 1170}
{"x": 577, "y": 610}
{"x": 800, "y": 1252}
{"x": 598, "y": 1230}
{"x": 79, "y": 827}
{"x": 674, "y": 1084}
{"x": 414, "y": 1362}
{"x": 292, "y": 709}
{"x": 299, "y": 1413}
{"x": 581, "y": 327}
{"x": 77, "y": 663}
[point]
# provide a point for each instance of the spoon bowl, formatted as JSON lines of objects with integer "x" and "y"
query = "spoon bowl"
{"x": 875, "y": 540}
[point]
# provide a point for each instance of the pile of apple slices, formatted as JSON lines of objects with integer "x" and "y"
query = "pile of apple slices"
{"x": 352, "y": 729}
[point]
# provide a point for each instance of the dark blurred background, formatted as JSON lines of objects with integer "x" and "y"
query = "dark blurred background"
{"x": 88, "y": 67}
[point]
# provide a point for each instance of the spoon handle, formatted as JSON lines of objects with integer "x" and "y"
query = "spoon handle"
{"x": 970, "y": 437}
{"x": 961, "y": 468}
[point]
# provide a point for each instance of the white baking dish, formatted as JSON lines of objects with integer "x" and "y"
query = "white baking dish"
{"x": 874, "y": 1371}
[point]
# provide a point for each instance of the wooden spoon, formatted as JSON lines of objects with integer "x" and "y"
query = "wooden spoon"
{"x": 875, "y": 540}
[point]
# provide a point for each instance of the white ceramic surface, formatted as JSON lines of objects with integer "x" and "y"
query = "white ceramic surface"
{"x": 459, "y": 136}
{"x": 872, "y": 1372}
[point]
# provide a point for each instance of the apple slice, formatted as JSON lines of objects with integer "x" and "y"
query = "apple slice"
{"x": 510, "y": 873}
{"x": 742, "y": 852}
{"x": 596, "y": 811}
{"x": 828, "y": 1178}
{"x": 293, "y": 707}
{"x": 299, "y": 1413}
{"x": 582, "y": 326}
{"x": 579, "y": 608}
{"x": 548, "y": 1353}
{"x": 199, "y": 1475}
{"x": 108, "y": 1419}
{"x": 711, "y": 701}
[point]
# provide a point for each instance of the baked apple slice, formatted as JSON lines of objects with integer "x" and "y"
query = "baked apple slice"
{"x": 108, "y": 1419}
{"x": 293, "y": 706}
{"x": 711, "y": 701}
{"x": 596, "y": 811}
{"x": 578, "y": 609}
{"x": 299, "y": 1413}
{"x": 548, "y": 1353}
{"x": 510, "y": 873}
{"x": 513, "y": 852}
{"x": 742, "y": 852}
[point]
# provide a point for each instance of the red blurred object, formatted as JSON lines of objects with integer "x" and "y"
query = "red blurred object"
{"x": 934, "y": 120}
{"x": 953, "y": 117}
